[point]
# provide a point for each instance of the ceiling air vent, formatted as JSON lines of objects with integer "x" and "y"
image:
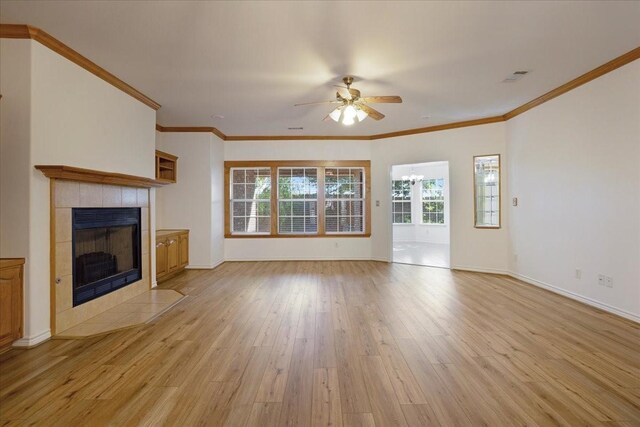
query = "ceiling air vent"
{"x": 296, "y": 128}
{"x": 515, "y": 76}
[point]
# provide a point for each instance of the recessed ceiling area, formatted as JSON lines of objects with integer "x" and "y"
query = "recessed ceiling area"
{"x": 250, "y": 62}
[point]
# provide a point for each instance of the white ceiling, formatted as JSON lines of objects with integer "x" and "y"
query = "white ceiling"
{"x": 251, "y": 61}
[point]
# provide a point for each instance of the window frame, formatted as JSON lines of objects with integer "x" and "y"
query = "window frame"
{"x": 475, "y": 196}
{"x": 246, "y": 200}
{"x": 320, "y": 165}
{"x": 402, "y": 201}
{"x": 443, "y": 200}
{"x": 304, "y": 200}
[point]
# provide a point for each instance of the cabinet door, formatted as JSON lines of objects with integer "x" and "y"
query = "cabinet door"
{"x": 172, "y": 253}
{"x": 161, "y": 259}
{"x": 183, "y": 245}
{"x": 10, "y": 305}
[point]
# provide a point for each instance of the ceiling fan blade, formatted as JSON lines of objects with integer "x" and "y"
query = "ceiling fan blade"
{"x": 383, "y": 99}
{"x": 346, "y": 95}
{"x": 374, "y": 114}
{"x": 352, "y": 93}
{"x": 319, "y": 102}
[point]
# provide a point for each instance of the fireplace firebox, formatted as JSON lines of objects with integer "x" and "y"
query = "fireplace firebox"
{"x": 106, "y": 247}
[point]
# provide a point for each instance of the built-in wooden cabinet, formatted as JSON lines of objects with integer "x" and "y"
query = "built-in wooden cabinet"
{"x": 166, "y": 167}
{"x": 11, "y": 273}
{"x": 172, "y": 253}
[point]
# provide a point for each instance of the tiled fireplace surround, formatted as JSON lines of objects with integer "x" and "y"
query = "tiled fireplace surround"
{"x": 71, "y": 194}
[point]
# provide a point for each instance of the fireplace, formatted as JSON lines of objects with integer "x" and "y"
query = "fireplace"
{"x": 106, "y": 248}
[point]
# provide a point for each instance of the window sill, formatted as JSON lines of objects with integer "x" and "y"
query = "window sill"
{"x": 294, "y": 236}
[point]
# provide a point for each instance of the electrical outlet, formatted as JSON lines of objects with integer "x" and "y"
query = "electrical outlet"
{"x": 608, "y": 281}
{"x": 514, "y": 201}
{"x": 578, "y": 273}
{"x": 601, "y": 279}
{"x": 377, "y": 203}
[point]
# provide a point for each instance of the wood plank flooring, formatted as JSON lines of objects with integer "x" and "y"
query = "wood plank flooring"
{"x": 339, "y": 344}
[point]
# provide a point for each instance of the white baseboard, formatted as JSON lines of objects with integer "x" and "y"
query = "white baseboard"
{"x": 381, "y": 259}
{"x": 28, "y": 342}
{"x": 479, "y": 269}
{"x": 205, "y": 266}
{"x": 154, "y": 284}
{"x": 586, "y": 300}
{"x": 286, "y": 258}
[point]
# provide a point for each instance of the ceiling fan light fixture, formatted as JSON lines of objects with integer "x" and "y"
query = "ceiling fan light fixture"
{"x": 361, "y": 114}
{"x": 348, "y": 120}
{"x": 335, "y": 114}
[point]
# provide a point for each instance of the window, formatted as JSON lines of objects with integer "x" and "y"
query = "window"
{"x": 308, "y": 198}
{"x": 251, "y": 200}
{"x": 344, "y": 200}
{"x": 401, "y": 201}
{"x": 297, "y": 200}
{"x": 433, "y": 201}
{"x": 487, "y": 191}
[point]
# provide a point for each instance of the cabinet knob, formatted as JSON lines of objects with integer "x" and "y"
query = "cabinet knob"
{"x": 159, "y": 244}
{"x": 171, "y": 242}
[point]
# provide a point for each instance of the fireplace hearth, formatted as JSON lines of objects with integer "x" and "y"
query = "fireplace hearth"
{"x": 106, "y": 247}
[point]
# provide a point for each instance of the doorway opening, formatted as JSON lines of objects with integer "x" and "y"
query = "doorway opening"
{"x": 420, "y": 214}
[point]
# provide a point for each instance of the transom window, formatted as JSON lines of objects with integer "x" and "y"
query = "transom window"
{"x": 401, "y": 201}
{"x": 312, "y": 198}
{"x": 433, "y": 201}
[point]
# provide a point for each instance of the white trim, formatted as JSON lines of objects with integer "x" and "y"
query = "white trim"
{"x": 28, "y": 342}
{"x": 205, "y": 266}
{"x": 380, "y": 259}
{"x": 479, "y": 269}
{"x": 311, "y": 258}
{"x": 577, "y": 297}
{"x": 154, "y": 284}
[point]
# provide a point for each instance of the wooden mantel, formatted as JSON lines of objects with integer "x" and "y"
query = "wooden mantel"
{"x": 71, "y": 173}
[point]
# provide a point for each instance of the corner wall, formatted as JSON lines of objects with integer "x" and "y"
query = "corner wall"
{"x": 574, "y": 164}
{"x": 75, "y": 119}
{"x": 194, "y": 202}
{"x": 471, "y": 248}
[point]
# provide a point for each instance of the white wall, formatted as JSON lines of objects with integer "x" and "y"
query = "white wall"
{"x": 574, "y": 164}
{"x": 194, "y": 202}
{"x": 417, "y": 231}
{"x": 75, "y": 119}
{"x": 297, "y": 248}
{"x": 471, "y": 248}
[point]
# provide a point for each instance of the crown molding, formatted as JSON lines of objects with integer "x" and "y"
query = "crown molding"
{"x": 22, "y": 31}
{"x": 614, "y": 64}
{"x": 578, "y": 81}
{"x": 213, "y": 130}
{"x": 454, "y": 125}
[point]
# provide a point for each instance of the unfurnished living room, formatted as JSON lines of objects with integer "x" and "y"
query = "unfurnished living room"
{"x": 320, "y": 213}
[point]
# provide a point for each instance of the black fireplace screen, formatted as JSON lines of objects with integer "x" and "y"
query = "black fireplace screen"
{"x": 106, "y": 251}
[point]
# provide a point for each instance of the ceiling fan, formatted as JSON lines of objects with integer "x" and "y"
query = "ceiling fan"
{"x": 354, "y": 107}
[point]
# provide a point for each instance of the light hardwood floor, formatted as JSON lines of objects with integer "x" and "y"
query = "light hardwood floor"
{"x": 341, "y": 344}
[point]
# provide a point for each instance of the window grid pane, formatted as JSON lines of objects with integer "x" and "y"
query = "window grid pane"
{"x": 433, "y": 201}
{"x": 344, "y": 200}
{"x": 487, "y": 189}
{"x": 401, "y": 201}
{"x": 297, "y": 200}
{"x": 251, "y": 200}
